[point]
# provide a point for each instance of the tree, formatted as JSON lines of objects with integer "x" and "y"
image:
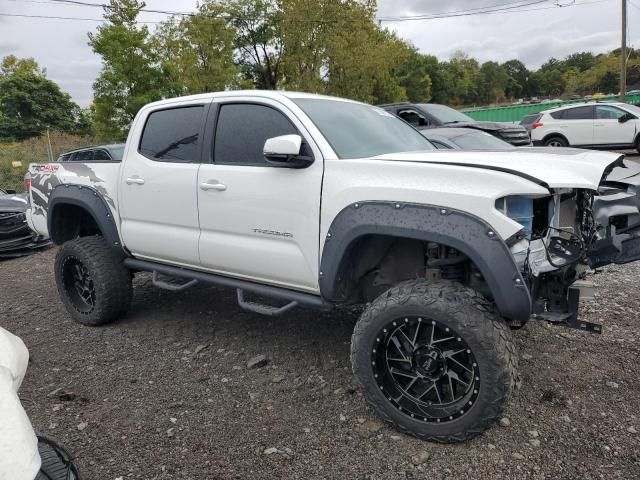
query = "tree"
{"x": 519, "y": 83}
{"x": 196, "y": 53}
{"x": 416, "y": 77}
{"x": 12, "y": 65}
{"x": 463, "y": 72}
{"x": 493, "y": 81}
{"x": 581, "y": 61}
{"x": 30, "y": 104}
{"x": 257, "y": 40}
{"x": 335, "y": 47}
{"x": 130, "y": 76}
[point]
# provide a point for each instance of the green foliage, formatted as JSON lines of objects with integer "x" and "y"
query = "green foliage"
{"x": 416, "y": 76}
{"x": 12, "y": 66}
{"x": 258, "y": 42}
{"x": 15, "y": 157}
{"x": 30, "y": 103}
{"x": 196, "y": 53}
{"x": 334, "y": 47}
{"x": 325, "y": 46}
{"x": 130, "y": 77}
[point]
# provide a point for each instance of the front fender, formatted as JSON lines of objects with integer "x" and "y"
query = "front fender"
{"x": 460, "y": 230}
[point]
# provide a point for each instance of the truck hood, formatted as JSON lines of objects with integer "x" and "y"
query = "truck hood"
{"x": 552, "y": 168}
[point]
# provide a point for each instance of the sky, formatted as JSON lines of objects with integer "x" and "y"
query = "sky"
{"x": 532, "y": 36}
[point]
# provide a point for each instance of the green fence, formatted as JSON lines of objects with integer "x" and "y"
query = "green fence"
{"x": 515, "y": 113}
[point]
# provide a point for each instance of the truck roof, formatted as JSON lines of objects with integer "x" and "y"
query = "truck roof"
{"x": 274, "y": 94}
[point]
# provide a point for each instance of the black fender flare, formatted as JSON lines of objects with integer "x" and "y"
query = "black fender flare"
{"x": 460, "y": 230}
{"x": 93, "y": 203}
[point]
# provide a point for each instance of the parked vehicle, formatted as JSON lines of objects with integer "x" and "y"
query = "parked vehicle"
{"x": 464, "y": 139}
{"x": 529, "y": 120}
{"x": 601, "y": 125}
{"x": 448, "y": 250}
{"x": 106, "y": 153}
{"x": 16, "y": 238}
{"x": 431, "y": 115}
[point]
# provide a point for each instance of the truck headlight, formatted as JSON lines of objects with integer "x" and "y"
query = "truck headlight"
{"x": 519, "y": 209}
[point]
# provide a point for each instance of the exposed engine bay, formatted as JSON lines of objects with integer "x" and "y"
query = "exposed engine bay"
{"x": 574, "y": 232}
{"x": 565, "y": 236}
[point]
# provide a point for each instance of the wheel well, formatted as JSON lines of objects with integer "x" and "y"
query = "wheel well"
{"x": 71, "y": 221}
{"x": 375, "y": 263}
{"x": 555, "y": 134}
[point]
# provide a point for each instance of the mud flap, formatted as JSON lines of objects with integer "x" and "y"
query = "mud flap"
{"x": 616, "y": 209}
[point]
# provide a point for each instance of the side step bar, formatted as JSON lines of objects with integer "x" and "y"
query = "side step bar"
{"x": 169, "y": 283}
{"x": 268, "y": 310}
{"x": 294, "y": 298}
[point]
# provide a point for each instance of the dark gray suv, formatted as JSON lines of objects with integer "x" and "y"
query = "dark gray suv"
{"x": 430, "y": 115}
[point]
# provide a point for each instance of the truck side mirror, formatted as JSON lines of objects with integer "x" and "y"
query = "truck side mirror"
{"x": 284, "y": 151}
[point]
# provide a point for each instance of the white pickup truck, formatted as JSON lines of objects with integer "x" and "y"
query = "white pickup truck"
{"x": 316, "y": 201}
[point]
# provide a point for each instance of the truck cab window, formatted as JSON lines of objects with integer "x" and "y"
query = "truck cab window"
{"x": 173, "y": 135}
{"x": 243, "y": 128}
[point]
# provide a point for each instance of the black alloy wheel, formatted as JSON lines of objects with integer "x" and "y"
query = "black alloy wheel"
{"x": 425, "y": 369}
{"x": 78, "y": 285}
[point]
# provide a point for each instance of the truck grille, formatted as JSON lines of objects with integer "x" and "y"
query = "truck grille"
{"x": 516, "y": 135}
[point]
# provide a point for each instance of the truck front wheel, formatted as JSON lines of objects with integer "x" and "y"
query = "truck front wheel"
{"x": 92, "y": 282}
{"x": 435, "y": 360}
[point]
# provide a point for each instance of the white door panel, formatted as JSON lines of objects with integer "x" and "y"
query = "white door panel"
{"x": 158, "y": 184}
{"x": 159, "y": 219}
{"x": 258, "y": 221}
{"x": 263, "y": 225}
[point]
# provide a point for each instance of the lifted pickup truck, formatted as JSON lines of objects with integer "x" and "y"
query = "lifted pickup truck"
{"x": 316, "y": 201}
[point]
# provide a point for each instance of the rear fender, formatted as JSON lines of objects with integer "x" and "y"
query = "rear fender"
{"x": 89, "y": 199}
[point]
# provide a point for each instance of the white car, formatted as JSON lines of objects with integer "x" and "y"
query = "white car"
{"x": 316, "y": 201}
{"x": 609, "y": 125}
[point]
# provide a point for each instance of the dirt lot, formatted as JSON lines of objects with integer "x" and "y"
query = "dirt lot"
{"x": 166, "y": 393}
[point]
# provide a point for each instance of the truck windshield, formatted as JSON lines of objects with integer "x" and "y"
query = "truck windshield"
{"x": 355, "y": 130}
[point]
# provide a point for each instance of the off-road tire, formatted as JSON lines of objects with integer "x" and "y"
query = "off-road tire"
{"x": 556, "y": 142}
{"x": 475, "y": 320}
{"x": 111, "y": 281}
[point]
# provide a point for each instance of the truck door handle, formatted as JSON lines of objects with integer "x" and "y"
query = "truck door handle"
{"x": 135, "y": 180}
{"x": 213, "y": 185}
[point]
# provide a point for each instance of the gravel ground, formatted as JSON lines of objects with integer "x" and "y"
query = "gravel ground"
{"x": 166, "y": 392}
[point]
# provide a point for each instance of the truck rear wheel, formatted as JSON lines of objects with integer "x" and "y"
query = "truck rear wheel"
{"x": 435, "y": 360}
{"x": 92, "y": 282}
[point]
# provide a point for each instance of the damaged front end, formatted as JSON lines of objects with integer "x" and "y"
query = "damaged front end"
{"x": 16, "y": 238}
{"x": 573, "y": 232}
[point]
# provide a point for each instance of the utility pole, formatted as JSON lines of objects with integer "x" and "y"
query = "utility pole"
{"x": 623, "y": 53}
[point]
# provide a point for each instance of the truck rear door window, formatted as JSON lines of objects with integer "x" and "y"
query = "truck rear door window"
{"x": 173, "y": 135}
